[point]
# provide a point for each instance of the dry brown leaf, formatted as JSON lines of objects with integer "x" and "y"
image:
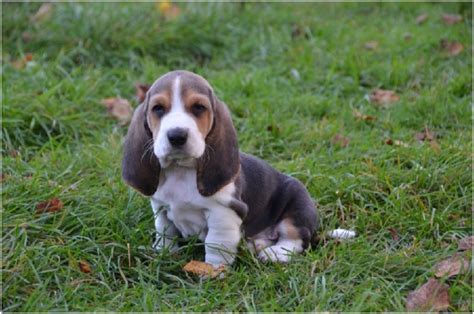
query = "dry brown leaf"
{"x": 140, "y": 91}
{"x": 420, "y": 19}
{"x": 450, "y": 19}
{"x": 358, "y": 115}
{"x": 371, "y": 45}
{"x": 466, "y": 243}
{"x": 84, "y": 266}
{"x": 168, "y": 9}
{"x": 432, "y": 296}
{"x": 394, "y": 234}
{"x": 50, "y": 206}
{"x": 452, "y": 266}
{"x": 451, "y": 48}
{"x": 43, "y": 13}
{"x": 426, "y": 136}
{"x": 21, "y": 63}
{"x": 119, "y": 109}
{"x": 203, "y": 269}
{"x": 340, "y": 140}
{"x": 382, "y": 97}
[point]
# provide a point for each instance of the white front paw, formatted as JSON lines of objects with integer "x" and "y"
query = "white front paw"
{"x": 275, "y": 253}
{"x": 219, "y": 258}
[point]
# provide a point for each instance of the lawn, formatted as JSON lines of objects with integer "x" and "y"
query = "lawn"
{"x": 298, "y": 79}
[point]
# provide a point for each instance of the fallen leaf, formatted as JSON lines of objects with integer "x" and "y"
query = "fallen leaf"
{"x": 451, "y": 19}
{"x": 452, "y": 266}
{"x": 119, "y": 109}
{"x": 451, "y": 48}
{"x": 163, "y": 5}
{"x": 43, "y": 13}
{"x": 420, "y": 19}
{"x": 358, "y": 115}
{"x": 426, "y": 136}
{"x": 203, "y": 269}
{"x": 84, "y": 266}
{"x": 28, "y": 57}
{"x": 382, "y": 97}
{"x": 2, "y": 177}
{"x": 168, "y": 9}
{"x": 466, "y": 243}
{"x": 50, "y": 206}
{"x": 432, "y": 296}
{"x": 22, "y": 62}
{"x": 340, "y": 140}
{"x": 371, "y": 45}
{"x": 394, "y": 234}
{"x": 140, "y": 91}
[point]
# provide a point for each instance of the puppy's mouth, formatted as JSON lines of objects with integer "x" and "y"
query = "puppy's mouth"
{"x": 178, "y": 157}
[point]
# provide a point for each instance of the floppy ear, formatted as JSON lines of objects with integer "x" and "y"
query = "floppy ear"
{"x": 220, "y": 162}
{"x": 140, "y": 167}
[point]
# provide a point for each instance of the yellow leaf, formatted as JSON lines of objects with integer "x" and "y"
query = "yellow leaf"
{"x": 163, "y": 6}
{"x": 168, "y": 9}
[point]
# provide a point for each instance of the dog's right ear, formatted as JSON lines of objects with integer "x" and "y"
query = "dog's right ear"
{"x": 140, "y": 167}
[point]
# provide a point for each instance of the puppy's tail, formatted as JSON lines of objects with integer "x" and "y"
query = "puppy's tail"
{"x": 337, "y": 234}
{"x": 341, "y": 234}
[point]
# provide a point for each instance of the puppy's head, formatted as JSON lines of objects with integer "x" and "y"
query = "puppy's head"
{"x": 180, "y": 116}
{"x": 185, "y": 125}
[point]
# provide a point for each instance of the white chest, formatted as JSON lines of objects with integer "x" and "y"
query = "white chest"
{"x": 187, "y": 209}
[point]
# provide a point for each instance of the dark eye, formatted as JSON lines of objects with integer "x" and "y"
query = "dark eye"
{"x": 159, "y": 110}
{"x": 198, "y": 109}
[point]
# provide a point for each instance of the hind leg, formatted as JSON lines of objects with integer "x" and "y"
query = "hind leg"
{"x": 289, "y": 242}
{"x": 264, "y": 239}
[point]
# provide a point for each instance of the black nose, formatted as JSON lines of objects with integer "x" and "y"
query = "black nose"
{"x": 177, "y": 136}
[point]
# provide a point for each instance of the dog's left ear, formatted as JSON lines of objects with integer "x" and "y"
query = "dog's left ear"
{"x": 220, "y": 163}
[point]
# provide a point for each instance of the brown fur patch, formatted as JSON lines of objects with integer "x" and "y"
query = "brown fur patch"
{"x": 203, "y": 121}
{"x": 287, "y": 229}
{"x": 153, "y": 120}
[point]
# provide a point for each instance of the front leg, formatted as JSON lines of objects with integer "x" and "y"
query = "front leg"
{"x": 166, "y": 231}
{"x": 223, "y": 235}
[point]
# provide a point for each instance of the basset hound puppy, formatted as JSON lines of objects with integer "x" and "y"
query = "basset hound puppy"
{"x": 181, "y": 150}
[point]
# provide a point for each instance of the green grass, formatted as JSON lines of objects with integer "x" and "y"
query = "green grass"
{"x": 58, "y": 142}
